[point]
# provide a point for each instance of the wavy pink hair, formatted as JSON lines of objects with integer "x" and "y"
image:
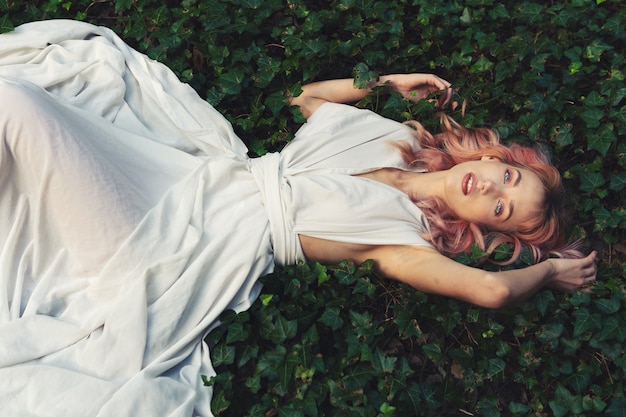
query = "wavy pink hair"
{"x": 455, "y": 144}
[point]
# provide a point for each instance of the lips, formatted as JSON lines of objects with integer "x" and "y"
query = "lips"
{"x": 468, "y": 184}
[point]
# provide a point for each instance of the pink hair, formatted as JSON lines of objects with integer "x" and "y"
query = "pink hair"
{"x": 543, "y": 234}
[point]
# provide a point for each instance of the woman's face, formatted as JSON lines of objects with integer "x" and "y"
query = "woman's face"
{"x": 493, "y": 194}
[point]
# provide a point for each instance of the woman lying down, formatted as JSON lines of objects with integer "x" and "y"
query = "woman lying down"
{"x": 132, "y": 217}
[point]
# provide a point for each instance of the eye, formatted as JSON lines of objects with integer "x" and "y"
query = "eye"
{"x": 499, "y": 207}
{"x": 507, "y": 176}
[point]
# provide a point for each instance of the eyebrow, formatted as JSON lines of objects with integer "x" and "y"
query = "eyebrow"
{"x": 511, "y": 204}
{"x": 511, "y": 207}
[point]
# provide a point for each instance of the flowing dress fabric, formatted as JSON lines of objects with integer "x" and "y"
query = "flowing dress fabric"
{"x": 131, "y": 218}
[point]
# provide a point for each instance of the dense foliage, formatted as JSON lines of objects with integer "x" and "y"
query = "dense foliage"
{"x": 339, "y": 341}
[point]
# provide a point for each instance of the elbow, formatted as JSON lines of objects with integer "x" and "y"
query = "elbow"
{"x": 303, "y": 102}
{"x": 495, "y": 294}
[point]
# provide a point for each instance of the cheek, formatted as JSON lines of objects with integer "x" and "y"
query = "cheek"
{"x": 476, "y": 211}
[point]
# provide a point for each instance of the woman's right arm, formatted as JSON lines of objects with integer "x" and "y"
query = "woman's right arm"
{"x": 427, "y": 270}
{"x": 412, "y": 86}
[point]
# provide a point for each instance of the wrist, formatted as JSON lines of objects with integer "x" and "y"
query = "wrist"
{"x": 382, "y": 81}
{"x": 549, "y": 271}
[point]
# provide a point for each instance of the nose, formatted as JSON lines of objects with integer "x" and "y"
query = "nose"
{"x": 487, "y": 186}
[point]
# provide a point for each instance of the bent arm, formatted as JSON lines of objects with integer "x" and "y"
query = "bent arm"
{"x": 412, "y": 86}
{"x": 427, "y": 270}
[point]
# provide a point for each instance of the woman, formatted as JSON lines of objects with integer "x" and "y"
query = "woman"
{"x": 484, "y": 191}
{"x": 132, "y": 217}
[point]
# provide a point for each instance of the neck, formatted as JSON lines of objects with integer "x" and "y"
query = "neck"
{"x": 419, "y": 186}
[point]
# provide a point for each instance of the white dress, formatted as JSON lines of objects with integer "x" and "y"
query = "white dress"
{"x": 131, "y": 217}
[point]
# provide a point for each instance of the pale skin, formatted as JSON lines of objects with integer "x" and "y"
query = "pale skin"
{"x": 493, "y": 192}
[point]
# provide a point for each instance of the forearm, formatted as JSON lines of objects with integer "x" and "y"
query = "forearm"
{"x": 340, "y": 91}
{"x": 413, "y": 87}
{"x": 427, "y": 270}
{"x": 519, "y": 284}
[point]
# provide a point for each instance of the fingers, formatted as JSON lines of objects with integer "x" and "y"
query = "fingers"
{"x": 420, "y": 86}
{"x": 447, "y": 93}
{"x": 446, "y": 97}
{"x": 588, "y": 272}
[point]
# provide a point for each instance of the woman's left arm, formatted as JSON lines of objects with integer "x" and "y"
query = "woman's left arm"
{"x": 412, "y": 86}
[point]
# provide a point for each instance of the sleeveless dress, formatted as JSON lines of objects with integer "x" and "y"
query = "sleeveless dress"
{"x": 131, "y": 217}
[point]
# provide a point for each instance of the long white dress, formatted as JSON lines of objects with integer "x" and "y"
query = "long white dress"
{"x": 131, "y": 217}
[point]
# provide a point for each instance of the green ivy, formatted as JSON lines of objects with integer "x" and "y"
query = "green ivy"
{"x": 339, "y": 341}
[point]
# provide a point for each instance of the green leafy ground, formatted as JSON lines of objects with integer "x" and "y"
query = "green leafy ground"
{"x": 339, "y": 341}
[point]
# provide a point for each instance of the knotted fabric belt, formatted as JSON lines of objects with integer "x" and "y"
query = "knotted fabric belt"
{"x": 267, "y": 172}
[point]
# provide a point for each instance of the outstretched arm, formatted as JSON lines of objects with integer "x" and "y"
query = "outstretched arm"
{"x": 427, "y": 270}
{"x": 412, "y": 86}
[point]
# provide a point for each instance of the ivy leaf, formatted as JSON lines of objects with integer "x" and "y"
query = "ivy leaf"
{"x": 223, "y": 355}
{"x": 235, "y": 333}
{"x": 503, "y": 71}
{"x": 231, "y": 82}
{"x": 364, "y": 286}
{"x": 407, "y": 324}
{"x": 357, "y": 376}
{"x": 331, "y": 318}
{"x": 346, "y": 4}
{"x": 618, "y": 181}
{"x": 579, "y": 381}
{"x": 608, "y": 305}
{"x": 550, "y": 332}
{"x": 360, "y": 320}
{"x": 5, "y": 23}
{"x": 121, "y": 5}
{"x": 312, "y": 48}
{"x": 519, "y": 409}
{"x": 585, "y": 321}
{"x": 252, "y": 4}
{"x": 591, "y": 117}
{"x": 602, "y": 141}
{"x": 219, "y": 403}
{"x": 383, "y": 362}
{"x": 363, "y": 75}
{"x": 565, "y": 402}
{"x": 433, "y": 350}
{"x": 275, "y": 102}
{"x": 247, "y": 353}
{"x": 432, "y": 9}
{"x": 594, "y": 99}
{"x": 595, "y": 49}
{"x": 532, "y": 12}
{"x": 613, "y": 328}
{"x": 603, "y": 218}
{"x": 591, "y": 181}
{"x": 537, "y": 103}
{"x": 617, "y": 408}
{"x": 620, "y": 114}
{"x": 285, "y": 371}
{"x": 481, "y": 65}
{"x": 496, "y": 366}
{"x": 488, "y": 407}
{"x": 562, "y": 18}
{"x": 283, "y": 330}
{"x": 542, "y": 301}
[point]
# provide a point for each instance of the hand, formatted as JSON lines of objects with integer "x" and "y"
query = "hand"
{"x": 574, "y": 274}
{"x": 415, "y": 87}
